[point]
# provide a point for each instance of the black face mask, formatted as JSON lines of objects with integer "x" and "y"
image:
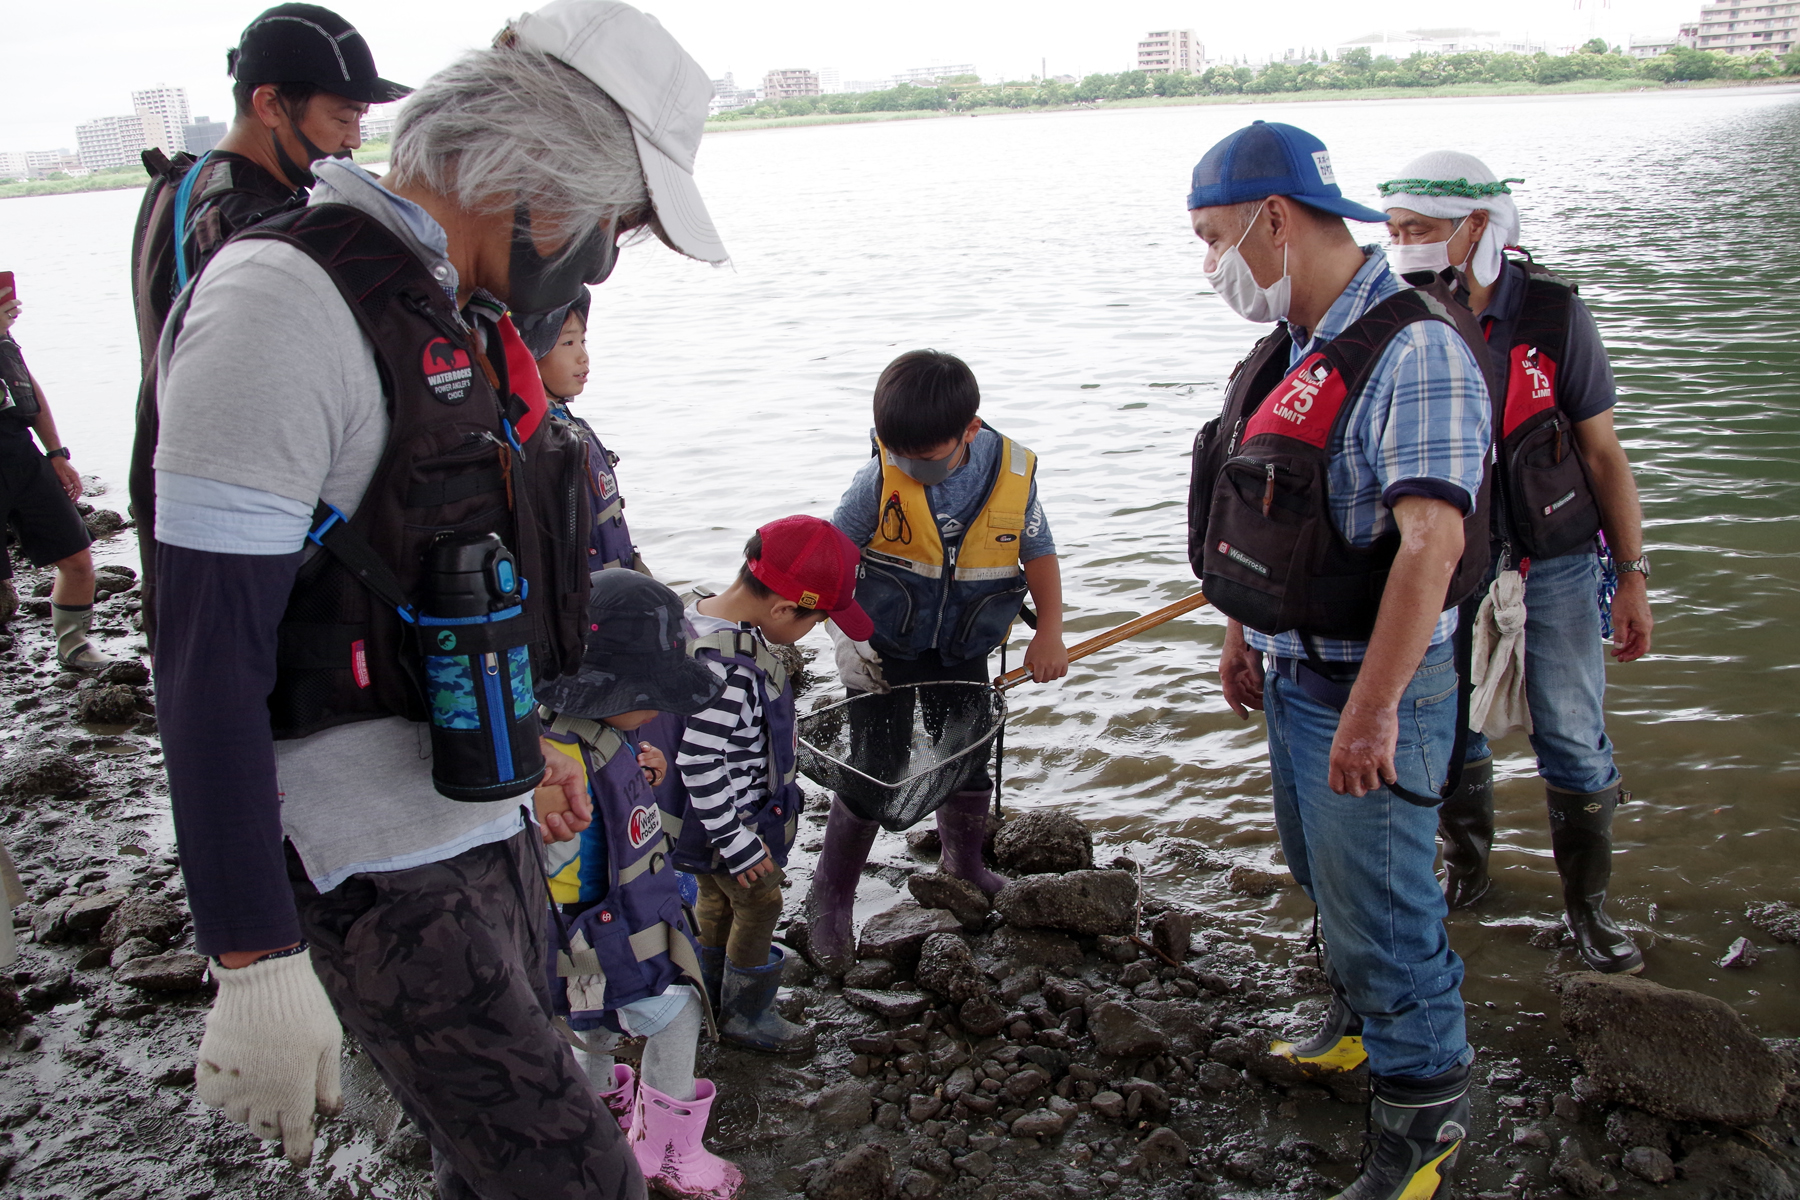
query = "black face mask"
{"x": 301, "y": 176}
{"x": 541, "y": 285}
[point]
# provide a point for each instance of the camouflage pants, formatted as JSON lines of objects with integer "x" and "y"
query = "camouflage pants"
{"x": 438, "y": 972}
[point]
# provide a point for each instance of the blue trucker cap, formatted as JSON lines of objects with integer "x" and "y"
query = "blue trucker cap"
{"x": 1266, "y": 158}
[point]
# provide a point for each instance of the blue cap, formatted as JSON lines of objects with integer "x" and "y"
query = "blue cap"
{"x": 1266, "y": 159}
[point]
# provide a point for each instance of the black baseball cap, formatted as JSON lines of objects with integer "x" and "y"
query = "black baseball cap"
{"x": 636, "y": 655}
{"x": 303, "y": 43}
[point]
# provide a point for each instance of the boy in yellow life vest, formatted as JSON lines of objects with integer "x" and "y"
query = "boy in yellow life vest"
{"x": 953, "y": 538}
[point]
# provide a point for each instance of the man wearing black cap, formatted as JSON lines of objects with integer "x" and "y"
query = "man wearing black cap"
{"x": 1327, "y": 520}
{"x": 304, "y": 78}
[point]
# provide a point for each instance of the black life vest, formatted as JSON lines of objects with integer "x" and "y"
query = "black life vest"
{"x": 1261, "y": 535}
{"x": 19, "y": 403}
{"x": 154, "y": 245}
{"x": 346, "y": 653}
{"x": 1548, "y": 506}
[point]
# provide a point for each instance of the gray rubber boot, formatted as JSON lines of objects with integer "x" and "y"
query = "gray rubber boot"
{"x": 748, "y": 1002}
{"x": 1416, "y": 1128}
{"x": 1466, "y": 823}
{"x": 73, "y": 649}
{"x": 1581, "y": 838}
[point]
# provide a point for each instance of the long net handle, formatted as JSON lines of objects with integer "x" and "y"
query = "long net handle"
{"x": 1129, "y": 629}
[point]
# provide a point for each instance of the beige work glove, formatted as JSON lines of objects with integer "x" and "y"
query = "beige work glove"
{"x": 269, "y": 1058}
{"x": 858, "y": 665}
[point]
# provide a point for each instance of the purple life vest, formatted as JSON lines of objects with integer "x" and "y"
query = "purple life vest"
{"x": 630, "y": 935}
{"x": 609, "y": 540}
{"x": 777, "y": 820}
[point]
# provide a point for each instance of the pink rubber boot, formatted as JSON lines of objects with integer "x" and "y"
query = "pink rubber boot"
{"x": 666, "y": 1140}
{"x": 623, "y": 1098}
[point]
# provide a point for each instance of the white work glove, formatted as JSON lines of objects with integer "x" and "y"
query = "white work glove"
{"x": 270, "y": 1055}
{"x": 858, "y": 665}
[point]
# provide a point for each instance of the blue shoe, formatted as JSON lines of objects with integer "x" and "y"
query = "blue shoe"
{"x": 748, "y": 1005}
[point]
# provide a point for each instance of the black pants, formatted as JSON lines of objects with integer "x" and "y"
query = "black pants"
{"x": 881, "y": 732}
{"x": 438, "y": 971}
{"x": 32, "y": 500}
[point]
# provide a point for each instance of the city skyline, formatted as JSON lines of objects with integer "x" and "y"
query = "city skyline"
{"x": 50, "y": 84}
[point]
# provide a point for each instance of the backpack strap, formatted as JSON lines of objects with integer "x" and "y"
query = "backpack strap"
{"x": 743, "y": 643}
{"x": 600, "y": 738}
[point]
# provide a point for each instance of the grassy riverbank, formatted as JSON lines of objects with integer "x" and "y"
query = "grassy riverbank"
{"x": 1449, "y": 91}
{"x": 132, "y": 176}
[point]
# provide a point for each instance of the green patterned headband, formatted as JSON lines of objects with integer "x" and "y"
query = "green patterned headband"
{"x": 1446, "y": 187}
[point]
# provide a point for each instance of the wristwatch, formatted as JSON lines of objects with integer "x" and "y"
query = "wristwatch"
{"x": 1640, "y": 564}
{"x": 59, "y": 452}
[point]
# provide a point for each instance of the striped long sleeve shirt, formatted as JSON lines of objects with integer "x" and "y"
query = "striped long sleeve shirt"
{"x": 724, "y": 760}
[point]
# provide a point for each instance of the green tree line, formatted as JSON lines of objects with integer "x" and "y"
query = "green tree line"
{"x": 1356, "y": 70}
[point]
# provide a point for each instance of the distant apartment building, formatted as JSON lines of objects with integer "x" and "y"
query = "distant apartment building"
{"x": 831, "y": 81}
{"x": 1650, "y": 47}
{"x": 1402, "y": 44}
{"x": 169, "y": 106}
{"x": 14, "y": 166}
{"x": 1164, "y": 50}
{"x": 867, "y": 85}
{"x": 728, "y": 96}
{"x": 202, "y": 135}
{"x": 379, "y": 129}
{"x": 116, "y": 141}
{"x": 41, "y": 164}
{"x": 1737, "y": 28}
{"x": 790, "y": 84}
{"x": 930, "y": 76}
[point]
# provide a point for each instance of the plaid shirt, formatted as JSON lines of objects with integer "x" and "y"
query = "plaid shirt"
{"x": 1421, "y": 427}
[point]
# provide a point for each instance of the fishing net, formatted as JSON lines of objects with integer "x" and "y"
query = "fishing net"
{"x": 894, "y": 757}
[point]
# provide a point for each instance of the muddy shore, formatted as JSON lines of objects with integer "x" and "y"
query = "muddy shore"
{"x": 1086, "y": 1040}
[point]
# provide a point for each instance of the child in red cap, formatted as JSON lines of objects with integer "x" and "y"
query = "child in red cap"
{"x": 737, "y": 760}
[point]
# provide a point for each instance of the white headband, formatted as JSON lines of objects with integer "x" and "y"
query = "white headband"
{"x": 1448, "y": 184}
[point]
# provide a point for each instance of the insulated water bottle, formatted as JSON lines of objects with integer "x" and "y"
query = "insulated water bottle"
{"x": 476, "y": 639}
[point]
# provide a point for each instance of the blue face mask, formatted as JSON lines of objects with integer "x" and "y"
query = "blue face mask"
{"x": 928, "y": 471}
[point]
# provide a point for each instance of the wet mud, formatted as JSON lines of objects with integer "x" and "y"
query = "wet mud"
{"x": 964, "y": 1056}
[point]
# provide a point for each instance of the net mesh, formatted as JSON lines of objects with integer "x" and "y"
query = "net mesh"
{"x": 894, "y": 757}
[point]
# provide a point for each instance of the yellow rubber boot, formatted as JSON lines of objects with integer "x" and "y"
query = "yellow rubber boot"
{"x": 1336, "y": 1047}
{"x": 1416, "y": 1127}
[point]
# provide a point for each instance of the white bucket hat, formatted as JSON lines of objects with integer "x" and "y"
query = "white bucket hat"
{"x": 633, "y": 59}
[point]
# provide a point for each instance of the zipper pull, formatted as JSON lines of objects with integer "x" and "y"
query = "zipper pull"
{"x": 1269, "y": 489}
{"x": 491, "y": 662}
{"x": 1559, "y": 450}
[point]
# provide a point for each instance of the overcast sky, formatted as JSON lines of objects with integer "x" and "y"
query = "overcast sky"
{"x": 66, "y": 65}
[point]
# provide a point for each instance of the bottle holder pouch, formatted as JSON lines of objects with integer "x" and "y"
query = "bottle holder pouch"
{"x": 484, "y": 725}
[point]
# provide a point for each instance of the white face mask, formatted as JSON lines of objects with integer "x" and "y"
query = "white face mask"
{"x": 1425, "y": 256}
{"x": 1232, "y": 279}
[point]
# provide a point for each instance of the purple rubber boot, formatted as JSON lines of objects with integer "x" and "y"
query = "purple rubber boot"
{"x": 962, "y": 827}
{"x": 667, "y": 1143}
{"x": 622, "y": 1099}
{"x": 831, "y": 901}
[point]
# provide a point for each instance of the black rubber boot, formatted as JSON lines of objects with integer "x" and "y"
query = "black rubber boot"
{"x": 1416, "y": 1126}
{"x": 1581, "y": 838}
{"x": 1338, "y": 1046}
{"x": 1466, "y": 823}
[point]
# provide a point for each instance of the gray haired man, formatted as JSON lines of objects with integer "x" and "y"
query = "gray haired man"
{"x": 335, "y": 404}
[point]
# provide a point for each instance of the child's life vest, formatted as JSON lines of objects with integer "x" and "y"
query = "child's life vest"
{"x": 956, "y": 594}
{"x": 609, "y": 539}
{"x": 777, "y": 819}
{"x": 626, "y": 936}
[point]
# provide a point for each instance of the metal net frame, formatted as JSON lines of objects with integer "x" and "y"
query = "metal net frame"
{"x": 894, "y": 757}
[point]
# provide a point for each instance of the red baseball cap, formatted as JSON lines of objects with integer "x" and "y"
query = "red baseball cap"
{"x": 813, "y": 563}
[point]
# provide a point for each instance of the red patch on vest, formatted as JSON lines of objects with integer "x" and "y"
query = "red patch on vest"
{"x": 522, "y": 376}
{"x": 1530, "y": 386}
{"x": 359, "y": 662}
{"x": 1303, "y": 406}
{"x": 448, "y": 372}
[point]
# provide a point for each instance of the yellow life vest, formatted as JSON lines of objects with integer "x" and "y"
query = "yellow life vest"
{"x": 906, "y": 533}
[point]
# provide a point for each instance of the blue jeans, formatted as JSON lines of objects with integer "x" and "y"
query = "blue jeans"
{"x": 1367, "y": 862}
{"x": 1565, "y": 675}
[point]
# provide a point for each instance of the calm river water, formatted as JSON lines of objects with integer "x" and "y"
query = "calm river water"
{"x": 1051, "y": 251}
